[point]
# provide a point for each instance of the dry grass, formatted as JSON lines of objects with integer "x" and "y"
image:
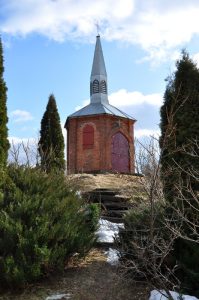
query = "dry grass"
{"x": 92, "y": 279}
{"x": 125, "y": 184}
{"x": 129, "y": 186}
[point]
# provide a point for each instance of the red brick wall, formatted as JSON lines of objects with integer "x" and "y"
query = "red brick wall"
{"x": 99, "y": 157}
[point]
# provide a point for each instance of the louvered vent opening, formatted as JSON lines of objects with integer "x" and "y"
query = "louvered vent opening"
{"x": 91, "y": 88}
{"x": 103, "y": 88}
{"x": 95, "y": 86}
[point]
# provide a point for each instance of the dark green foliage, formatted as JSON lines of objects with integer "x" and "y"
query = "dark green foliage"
{"x": 187, "y": 254}
{"x": 180, "y": 161}
{"x": 51, "y": 143}
{"x": 42, "y": 224}
{"x": 92, "y": 214}
{"x": 179, "y": 125}
{"x": 141, "y": 243}
{"x": 4, "y": 144}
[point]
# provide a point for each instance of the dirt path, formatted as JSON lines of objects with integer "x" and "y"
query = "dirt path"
{"x": 92, "y": 279}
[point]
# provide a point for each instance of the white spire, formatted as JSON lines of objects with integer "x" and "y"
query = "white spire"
{"x": 98, "y": 67}
{"x": 98, "y": 79}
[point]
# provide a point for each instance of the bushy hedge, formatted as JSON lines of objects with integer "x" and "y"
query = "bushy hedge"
{"x": 42, "y": 223}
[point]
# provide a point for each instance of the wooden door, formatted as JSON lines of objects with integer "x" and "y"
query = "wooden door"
{"x": 120, "y": 153}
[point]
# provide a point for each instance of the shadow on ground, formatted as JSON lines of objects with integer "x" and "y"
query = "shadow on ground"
{"x": 92, "y": 279}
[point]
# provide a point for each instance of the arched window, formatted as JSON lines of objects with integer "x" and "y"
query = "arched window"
{"x": 95, "y": 86}
{"x": 88, "y": 137}
{"x": 103, "y": 88}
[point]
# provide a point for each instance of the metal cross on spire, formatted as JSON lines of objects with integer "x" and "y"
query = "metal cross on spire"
{"x": 97, "y": 28}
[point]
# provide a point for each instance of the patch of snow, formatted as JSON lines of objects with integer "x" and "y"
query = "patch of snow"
{"x": 107, "y": 231}
{"x": 78, "y": 193}
{"x": 59, "y": 297}
{"x": 162, "y": 295}
{"x": 112, "y": 256}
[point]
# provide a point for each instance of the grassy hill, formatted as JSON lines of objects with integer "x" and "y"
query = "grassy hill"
{"x": 127, "y": 185}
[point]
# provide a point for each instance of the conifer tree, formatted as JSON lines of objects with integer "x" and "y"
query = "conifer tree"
{"x": 180, "y": 160}
{"x": 179, "y": 121}
{"x": 4, "y": 144}
{"x": 51, "y": 143}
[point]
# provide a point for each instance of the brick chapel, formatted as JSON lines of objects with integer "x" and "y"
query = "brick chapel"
{"x": 100, "y": 137}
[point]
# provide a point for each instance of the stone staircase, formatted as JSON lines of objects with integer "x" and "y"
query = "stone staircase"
{"x": 113, "y": 205}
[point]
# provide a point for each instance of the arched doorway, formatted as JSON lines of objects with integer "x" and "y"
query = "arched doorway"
{"x": 120, "y": 153}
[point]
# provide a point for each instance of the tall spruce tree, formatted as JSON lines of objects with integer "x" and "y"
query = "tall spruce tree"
{"x": 51, "y": 143}
{"x": 179, "y": 123}
{"x": 180, "y": 159}
{"x": 4, "y": 144}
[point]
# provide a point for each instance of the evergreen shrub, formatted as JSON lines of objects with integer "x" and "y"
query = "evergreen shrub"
{"x": 4, "y": 143}
{"x": 137, "y": 240}
{"x": 42, "y": 224}
{"x": 187, "y": 253}
{"x": 51, "y": 142}
{"x": 180, "y": 165}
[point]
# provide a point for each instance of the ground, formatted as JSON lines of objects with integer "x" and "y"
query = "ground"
{"x": 92, "y": 279}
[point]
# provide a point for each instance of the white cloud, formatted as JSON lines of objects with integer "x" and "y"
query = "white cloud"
{"x": 60, "y": 19}
{"x": 139, "y": 133}
{"x": 123, "y": 98}
{"x": 21, "y": 116}
{"x": 63, "y": 129}
{"x": 64, "y": 132}
{"x": 159, "y": 27}
{"x": 196, "y": 58}
{"x": 17, "y": 140}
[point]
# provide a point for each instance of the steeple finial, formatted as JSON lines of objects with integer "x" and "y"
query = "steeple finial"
{"x": 98, "y": 29}
{"x": 98, "y": 80}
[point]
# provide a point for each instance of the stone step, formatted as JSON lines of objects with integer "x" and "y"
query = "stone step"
{"x": 114, "y": 213}
{"x": 113, "y": 205}
{"x": 113, "y": 219}
{"x": 96, "y": 196}
{"x": 116, "y": 205}
{"x": 104, "y": 245}
{"x": 109, "y": 198}
{"x": 110, "y": 209}
{"x": 105, "y": 191}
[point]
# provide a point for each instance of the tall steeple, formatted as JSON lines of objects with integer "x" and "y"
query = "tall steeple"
{"x": 98, "y": 79}
{"x": 99, "y": 104}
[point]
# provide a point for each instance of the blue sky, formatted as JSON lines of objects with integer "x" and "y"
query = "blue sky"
{"x": 49, "y": 47}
